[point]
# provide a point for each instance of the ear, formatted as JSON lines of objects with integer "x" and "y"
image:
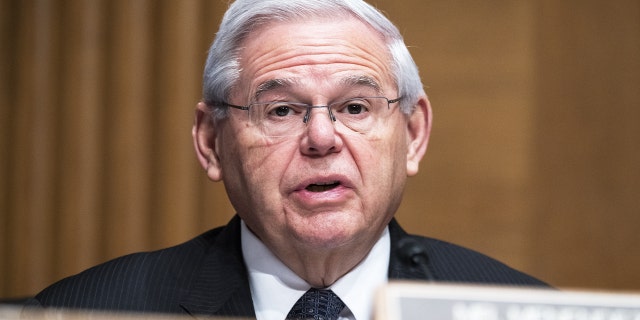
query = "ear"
{"x": 204, "y": 139}
{"x": 418, "y": 129}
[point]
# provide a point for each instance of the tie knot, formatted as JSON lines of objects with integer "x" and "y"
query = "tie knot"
{"x": 317, "y": 304}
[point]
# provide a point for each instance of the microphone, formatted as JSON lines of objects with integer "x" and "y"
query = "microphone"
{"x": 414, "y": 254}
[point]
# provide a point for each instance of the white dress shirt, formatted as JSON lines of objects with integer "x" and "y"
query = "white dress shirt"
{"x": 275, "y": 288}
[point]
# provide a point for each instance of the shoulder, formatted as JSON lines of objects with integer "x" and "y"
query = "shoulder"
{"x": 449, "y": 262}
{"x": 460, "y": 264}
{"x": 145, "y": 281}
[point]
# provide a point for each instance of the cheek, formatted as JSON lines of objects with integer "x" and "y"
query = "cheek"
{"x": 383, "y": 169}
{"x": 384, "y": 157}
{"x": 253, "y": 172}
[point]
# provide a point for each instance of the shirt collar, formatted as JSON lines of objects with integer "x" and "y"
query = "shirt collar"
{"x": 267, "y": 274}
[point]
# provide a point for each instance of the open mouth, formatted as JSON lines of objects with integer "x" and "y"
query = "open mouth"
{"x": 320, "y": 187}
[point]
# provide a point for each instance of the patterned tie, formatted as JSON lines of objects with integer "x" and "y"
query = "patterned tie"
{"x": 318, "y": 305}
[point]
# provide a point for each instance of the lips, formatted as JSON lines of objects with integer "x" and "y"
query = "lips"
{"x": 321, "y": 193}
{"x": 323, "y": 183}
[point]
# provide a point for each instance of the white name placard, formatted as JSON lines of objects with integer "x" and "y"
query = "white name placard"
{"x": 419, "y": 301}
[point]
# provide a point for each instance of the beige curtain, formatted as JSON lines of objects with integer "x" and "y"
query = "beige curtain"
{"x": 534, "y": 156}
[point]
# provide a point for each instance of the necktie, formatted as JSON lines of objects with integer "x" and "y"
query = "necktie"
{"x": 317, "y": 304}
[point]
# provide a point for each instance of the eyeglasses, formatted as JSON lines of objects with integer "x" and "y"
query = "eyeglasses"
{"x": 282, "y": 119}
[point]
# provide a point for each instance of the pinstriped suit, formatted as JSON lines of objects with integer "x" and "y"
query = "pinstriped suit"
{"x": 207, "y": 276}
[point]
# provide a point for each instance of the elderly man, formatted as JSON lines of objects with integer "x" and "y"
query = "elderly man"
{"x": 313, "y": 117}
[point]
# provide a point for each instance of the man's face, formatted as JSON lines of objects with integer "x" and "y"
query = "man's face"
{"x": 326, "y": 187}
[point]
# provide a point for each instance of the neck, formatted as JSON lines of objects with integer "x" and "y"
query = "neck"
{"x": 320, "y": 266}
{"x": 321, "y": 270}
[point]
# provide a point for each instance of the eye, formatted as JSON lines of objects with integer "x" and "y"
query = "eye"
{"x": 283, "y": 109}
{"x": 354, "y": 107}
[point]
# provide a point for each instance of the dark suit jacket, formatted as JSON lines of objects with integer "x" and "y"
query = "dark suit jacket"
{"x": 207, "y": 276}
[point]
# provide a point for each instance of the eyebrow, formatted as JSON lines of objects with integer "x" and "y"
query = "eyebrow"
{"x": 350, "y": 81}
{"x": 271, "y": 85}
{"x": 361, "y": 81}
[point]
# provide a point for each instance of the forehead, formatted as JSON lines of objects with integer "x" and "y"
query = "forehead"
{"x": 314, "y": 53}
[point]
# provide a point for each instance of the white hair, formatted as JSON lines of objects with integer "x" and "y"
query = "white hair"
{"x": 222, "y": 69}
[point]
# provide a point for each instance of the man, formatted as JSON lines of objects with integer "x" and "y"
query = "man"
{"x": 313, "y": 117}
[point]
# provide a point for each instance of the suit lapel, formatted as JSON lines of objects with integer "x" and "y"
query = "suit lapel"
{"x": 221, "y": 287}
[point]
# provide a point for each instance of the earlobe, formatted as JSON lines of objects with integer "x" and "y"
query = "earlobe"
{"x": 419, "y": 129}
{"x": 205, "y": 140}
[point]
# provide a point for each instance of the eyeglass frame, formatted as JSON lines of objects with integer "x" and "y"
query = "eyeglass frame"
{"x": 309, "y": 107}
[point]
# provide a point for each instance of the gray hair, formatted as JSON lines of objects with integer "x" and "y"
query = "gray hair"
{"x": 222, "y": 69}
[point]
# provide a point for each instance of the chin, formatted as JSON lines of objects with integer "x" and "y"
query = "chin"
{"x": 329, "y": 235}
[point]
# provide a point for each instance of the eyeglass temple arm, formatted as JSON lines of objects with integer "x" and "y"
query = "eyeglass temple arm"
{"x": 224, "y": 104}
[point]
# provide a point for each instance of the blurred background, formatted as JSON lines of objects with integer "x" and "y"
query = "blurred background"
{"x": 534, "y": 157}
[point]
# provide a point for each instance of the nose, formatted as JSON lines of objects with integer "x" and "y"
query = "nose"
{"x": 320, "y": 138}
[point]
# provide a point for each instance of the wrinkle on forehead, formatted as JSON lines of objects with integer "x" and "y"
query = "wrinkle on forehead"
{"x": 280, "y": 56}
{"x": 352, "y": 81}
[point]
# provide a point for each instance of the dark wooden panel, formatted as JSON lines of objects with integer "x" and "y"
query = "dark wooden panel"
{"x": 587, "y": 137}
{"x": 476, "y": 59}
